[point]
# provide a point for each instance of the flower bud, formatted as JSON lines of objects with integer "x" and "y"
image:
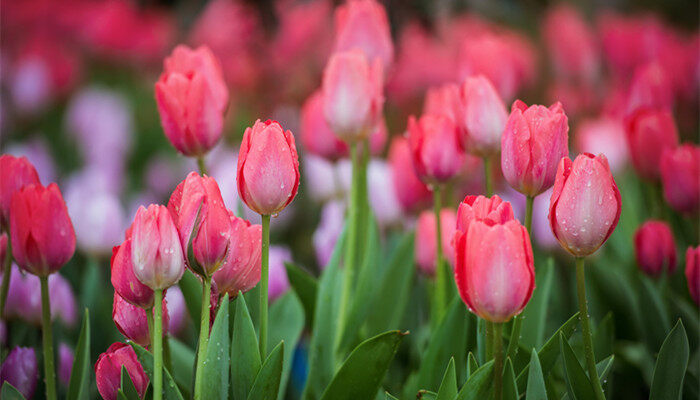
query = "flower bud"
{"x": 494, "y": 269}
{"x": 316, "y": 136}
{"x": 482, "y": 116}
{"x": 655, "y": 248}
{"x": 680, "y": 176}
{"x": 65, "y": 363}
{"x": 192, "y": 98}
{"x": 108, "y": 371}
{"x": 425, "y": 241}
{"x": 20, "y": 370}
{"x": 650, "y": 89}
{"x": 435, "y": 150}
{"x": 279, "y": 282}
{"x": 42, "y": 234}
{"x": 241, "y": 269}
{"x": 649, "y": 134}
{"x": 585, "y": 204}
{"x": 479, "y": 208}
{"x": 692, "y": 272}
{"x": 534, "y": 140}
{"x": 268, "y": 168}
{"x": 132, "y": 321}
{"x": 410, "y": 191}
{"x": 363, "y": 25}
{"x": 155, "y": 248}
{"x": 15, "y": 173}
{"x": 124, "y": 280}
{"x": 444, "y": 100}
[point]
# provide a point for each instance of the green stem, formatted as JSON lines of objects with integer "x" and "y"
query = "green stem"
{"x": 263, "y": 289}
{"x": 6, "y": 272}
{"x": 157, "y": 342}
{"x": 489, "y": 340}
{"x": 440, "y": 278}
{"x": 203, "y": 337}
{"x": 497, "y": 360}
{"x": 487, "y": 176}
{"x": 149, "y": 320}
{"x": 528, "y": 214}
{"x": 514, "y": 337}
{"x": 47, "y": 336}
{"x": 201, "y": 165}
{"x": 586, "y": 328}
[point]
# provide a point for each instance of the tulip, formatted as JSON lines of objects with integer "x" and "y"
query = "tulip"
{"x": 435, "y": 149}
{"x": 603, "y": 135}
{"x": 655, "y": 248}
{"x": 192, "y": 99}
{"x": 692, "y": 272}
{"x": 38, "y": 153}
{"x": 24, "y": 299}
{"x": 534, "y": 140}
{"x": 240, "y": 271}
{"x": 425, "y": 246}
{"x": 317, "y": 136}
{"x": 650, "y": 89}
{"x": 124, "y": 280}
{"x": 352, "y": 95}
{"x": 279, "y": 282}
{"x": 65, "y": 363}
{"x": 479, "y": 208}
{"x": 410, "y": 191}
{"x": 328, "y": 230}
{"x": 680, "y": 176}
{"x": 20, "y": 370}
{"x": 444, "y": 100}
{"x": 382, "y": 196}
{"x": 15, "y": 173}
{"x": 649, "y": 134}
{"x": 108, "y": 370}
{"x": 132, "y": 321}
{"x": 363, "y": 25}
{"x": 3, "y": 251}
{"x": 482, "y": 116}
{"x": 571, "y": 44}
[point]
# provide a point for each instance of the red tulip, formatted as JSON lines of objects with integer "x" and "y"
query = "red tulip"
{"x": 108, "y": 371}
{"x": 479, "y": 208}
{"x": 435, "y": 149}
{"x": 192, "y": 98}
{"x": 534, "y": 140}
{"x": 268, "y": 168}
{"x": 123, "y": 278}
{"x": 316, "y": 136}
{"x": 132, "y": 321}
{"x": 241, "y": 269}
{"x": 410, "y": 191}
{"x": 483, "y": 116}
{"x": 425, "y": 241}
{"x": 15, "y": 173}
{"x": 649, "y": 133}
{"x": 655, "y": 248}
{"x": 42, "y": 234}
{"x": 363, "y": 25}
{"x": 692, "y": 272}
{"x": 680, "y": 175}
{"x": 585, "y": 204}
{"x": 494, "y": 269}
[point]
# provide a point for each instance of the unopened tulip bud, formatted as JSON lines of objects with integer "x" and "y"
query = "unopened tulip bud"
{"x": 680, "y": 176}
{"x": 480, "y": 208}
{"x": 15, "y": 173}
{"x": 425, "y": 241}
{"x": 241, "y": 269}
{"x": 444, "y": 100}
{"x": 316, "y": 135}
{"x": 132, "y": 321}
{"x": 585, "y": 204}
{"x": 410, "y": 191}
{"x": 655, "y": 248}
{"x": 649, "y": 134}
{"x": 482, "y": 116}
{"x": 692, "y": 272}
{"x": 435, "y": 149}
{"x": 124, "y": 280}
{"x": 363, "y": 25}
{"x": 20, "y": 370}
{"x": 108, "y": 371}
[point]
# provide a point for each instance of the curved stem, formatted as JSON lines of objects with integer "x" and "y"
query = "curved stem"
{"x": 497, "y": 360}
{"x": 263, "y": 289}
{"x": 440, "y": 278}
{"x": 201, "y": 165}
{"x": 528, "y": 214}
{"x": 487, "y": 176}
{"x": 6, "y": 272}
{"x": 586, "y": 328}
{"x": 47, "y": 339}
{"x": 157, "y": 342}
{"x": 203, "y": 337}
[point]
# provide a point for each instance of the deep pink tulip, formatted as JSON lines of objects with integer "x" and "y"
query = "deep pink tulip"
{"x": 108, "y": 371}
{"x": 155, "y": 248}
{"x": 3, "y": 249}
{"x": 20, "y": 370}
{"x": 494, "y": 269}
{"x": 534, "y": 140}
{"x": 352, "y": 95}
{"x": 655, "y": 248}
{"x": 650, "y": 89}
{"x": 649, "y": 134}
{"x": 123, "y": 278}
{"x": 585, "y": 204}
{"x": 42, "y": 234}
{"x": 15, "y": 173}
{"x": 425, "y": 240}
{"x": 482, "y": 116}
{"x": 692, "y": 272}
{"x": 571, "y": 44}
{"x": 479, "y": 208}
{"x": 410, "y": 191}
{"x": 316, "y": 136}
{"x": 363, "y": 25}
{"x": 241, "y": 268}
{"x": 444, "y": 100}
{"x": 132, "y": 321}
{"x": 192, "y": 99}
{"x": 268, "y": 168}
{"x": 435, "y": 149}
{"x": 680, "y": 175}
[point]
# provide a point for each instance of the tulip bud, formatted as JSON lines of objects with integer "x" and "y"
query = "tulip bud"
{"x": 316, "y": 136}
{"x": 585, "y": 204}
{"x": 410, "y": 191}
{"x": 124, "y": 280}
{"x": 482, "y": 116}
{"x": 279, "y": 282}
{"x": 192, "y": 98}
{"x": 241, "y": 269}
{"x": 680, "y": 176}
{"x": 108, "y": 371}
{"x": 435, "y": 150}
{"x": 155, "y": 248}
{"x": 534, "y": 140}
{"x": 363, "y": 25}
{"x": 649, "y": 133}
{"x": 425, "y": 241}
{"x": 20, "y": 370}
{"x": 352, "y": 95}
{"x": 268, "y": 168}
{"x": 692, "y": 272}
{"x": 444, "y": 100}
{"x": 650, "y": 89}
{"x": 479, "y": 208}
{"x": 132, "y": 321}
{"x": 494, "y": 269}
{"x": 65, "y": 363}
{"x": 655, "y": 248}
{"x": 42, "y": 235}
{"x": 15, "y": 173}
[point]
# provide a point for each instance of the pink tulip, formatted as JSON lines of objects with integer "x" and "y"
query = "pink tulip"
{"x": 494, "y": 269}
{"x": 279, "y": 282}
{"x": 328, "y": 230}
{"x": 177, "y": 311}
{"x": 650, "y": 89}
{"x": 410, "y": 191}
{"x": 482, "y": 116}
{"x": 534, "y": 140}
{"x": 571, "y": 44}
{"x": 156, "y": 251}
{"x": 444, "y": 100}
{"x": 192, "y": 99}
{"x": 20, "y": 370}
{"x": 3, "y": 249}
{"x": 655, "y": 248}
{"x": 65, "y": 363}
{"x": 15, "y": 173}
{"x": 425, "y": 241}
{"x": 649, "y": 134}
{"x": 241, "y": 268}
{"x": 24, "y": 299}
{"x": 363, "y": 25}
{"x": 316, "y": 136}
{"x": 680, "y": 175}
{"x": 268, "y": 168}
{"x": 108, "y": 370}
{"x": 479, "y": 208}
{"x": 585, "y": 204}
{"x": 603, "y": 135}
{"x": 692, "y": 272}
{"x": 132, "y": 321}
{"x": 435, "y": 149}
{"x": 123, "y": 278}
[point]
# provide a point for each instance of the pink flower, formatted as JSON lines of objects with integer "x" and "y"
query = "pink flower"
{"x": 279, "y": 282}
{"x": 649, "y": 134}
{"x": 603, "y": 135}
{"x": 123, "y": 278}
{"x": 177, "y": 311}
{"x": 65, "y": 363}
{"x": 241, "y": 268}
{"x": 650, "y": 89}
{"x": 20, "y": 370}
{"x": 410, "y": 191}
{"x": 655, "y": 248}
{"x": 108, "y": 369}
{"x": 692, "y": 272}
{"x": 328, "y": 230}
{"x": 571, "y": 44}
{"x": 444, "y": 100}
{"x": 15, "y": 173}
{"x": 479, "y": 208}
{"x": 680, "y": 176}
{"x": 435, "y": 149}
{"x": 482, "y": 116}
{"x": 363, "y": 25}
{"x": 316, "y": 135}
{"x": 132, "y": 321}
{"x": 426, "y": 240}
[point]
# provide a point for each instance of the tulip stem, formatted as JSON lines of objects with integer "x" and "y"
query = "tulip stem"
{"x": 201, "y": 165}
{"x": 487, "y": 176}
{"x": 586, "y": 328}
{"x": 47, "y": 336}
{"x": 158, "y": 346}
{"x": 497, "y": 360}
{"x": 203, "y": 337}
{"x": 263, "y": 289}
{"x": 528, "y": 213}
{"x": 6, "y": 272}
{"x": 440, "y": 278}
{"x": 489, "y": 340}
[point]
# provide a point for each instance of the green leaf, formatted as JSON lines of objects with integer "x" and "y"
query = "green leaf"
{"x": 182, "y": 364}
{"x": 286, "y": 324}
{"x": 244, "y": 352}
{"x": 79, "y": 384}
{"x": 670, "y": 366}
{"x": 267, "y": 383}
{"x": 510, "y": 387}
{"x": 191, "y": 289}
{"x": 127, "y": 387}
{"x": 604, "y": 337}
{"x": 478, "y": 386}
{"x": 306, "y": 287}
{"x": 577, "y": 383}
{"x": 426, "y": 395}
{"x": 535, "y": 313}
{"x": 535, "y": 380}
{"x": 448, "y": 387}
{"x": 654, "y": 314}
{"x": 215, "y": 371}
{"x": 170, "y": 390}
{"x": 362, "y": 373}
{"x": 604, "y": 367}
{"x": 10, "y": 392}
{"x": 472, "y": 364}
{"x": 388, "y": 396}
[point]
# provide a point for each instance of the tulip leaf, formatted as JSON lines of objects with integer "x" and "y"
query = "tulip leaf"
{"x": 510, "y": 387}
{"x": 604, "y": 367}
{"x": 191, "y": 288}
{"x": 479, "y": 384}
{"x": 671, "y": 363}
{"x": 535, "y": 313}
{"x": 536, "y": 389}
{"x": 306, "y": 287}
{"x": 448, "y": 387}
{"x": 426, "y": 395}
{"x": 170, "y": 390}
{"x": 244, "y": 351}
{"x": 10, "y": 392}
{"x": 127, "y": 387}
{"x": 389, "y": 396}
{"x": 604, "y": 337}
{"x": 182, "y": 358}
{"x": 577, "y": 383}
{"x": 286, "y": 324}
{"x": 79, "y": 384}
{"x": 472, "y": 364}
{"x": 655, "y": 317}
{"x": 267, "y": 383}
{"x": 362, "y": 373}
{"x": 215, "y": 372}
